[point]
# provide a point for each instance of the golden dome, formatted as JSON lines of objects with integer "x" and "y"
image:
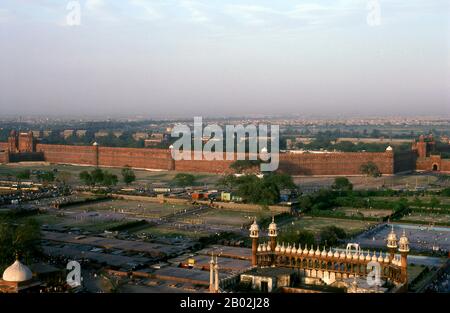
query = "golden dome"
{"x": 17, "y": 273}
{"x": 403, "y": 243}
{"x": 392, "y": 239}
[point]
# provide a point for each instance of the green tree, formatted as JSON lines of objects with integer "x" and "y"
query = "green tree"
{"x": 25, "y": 174}
{"x": 109, "y": 179}
{"x": 18, "y": 238}
{"x": 128, "y": 175}
{"x": 331, "y": 235}
{"x": 86, "y": 178}
{"x": 342, "y": 184}
{"x": 434, "y": 202}
{"x": 370, "y": 169}
{"x": 184, "y": 180}
{"x": 97, "y": 176}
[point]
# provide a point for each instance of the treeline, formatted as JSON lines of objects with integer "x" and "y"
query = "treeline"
{"x": 252, "y": 189}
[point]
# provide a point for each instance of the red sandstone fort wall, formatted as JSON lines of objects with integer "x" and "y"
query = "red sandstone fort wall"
{"x": 334, "y": 163}
{"x": 295, "y": 164}
{"x": 3, "y": 146}
{"x": 84, "y": 155}
{"x": 135, "y": 157}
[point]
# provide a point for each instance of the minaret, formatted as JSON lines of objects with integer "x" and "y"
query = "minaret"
{"x": 403, "y": 248}
{"x": 211, "y": 273}
{"x": 96, "y": 161}
{"x": 254, "y": 234}
{"x": 273, "y": 233}
{"x": 392, "y": 244}
{"x": 216, "y": 278}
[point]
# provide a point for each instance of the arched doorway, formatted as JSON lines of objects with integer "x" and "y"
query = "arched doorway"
{"x": 435, "y": 167}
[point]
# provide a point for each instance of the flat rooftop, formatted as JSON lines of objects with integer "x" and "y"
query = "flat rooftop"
{"x": 153, "y": 249}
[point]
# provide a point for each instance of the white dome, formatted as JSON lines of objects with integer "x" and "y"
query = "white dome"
{"x": 278, "y": 247}
{"x": 330, "y": 253}
{"x": 317, "y": 251}
{"x": 305, "y": 251}
{"x": 336, "y": 254}
{"x": 294, "y": 250}
{"x": 17, "y": 273}
{"x": 389, "y": 148}
{"x": 288, "y": 249}
{"x": 368, "y": 257}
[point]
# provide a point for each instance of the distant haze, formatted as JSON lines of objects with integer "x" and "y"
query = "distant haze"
{"x": 166, "y": 58}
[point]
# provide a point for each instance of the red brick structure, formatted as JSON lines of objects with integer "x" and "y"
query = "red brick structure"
{"x": 23, "y": 147}
{"x": 427, "y": 158}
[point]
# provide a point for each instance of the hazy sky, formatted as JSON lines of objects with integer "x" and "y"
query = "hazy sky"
{"x": 225, "y": 57}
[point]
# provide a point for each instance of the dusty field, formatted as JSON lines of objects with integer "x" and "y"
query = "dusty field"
{"x": 130, "y": 208}
{"x": 365, "y": 212}
{"x": 146, "y": 178}
{"x": 426, "y": 218}
{"x": 315, "y": 224}
{"x": 233, "y": 218}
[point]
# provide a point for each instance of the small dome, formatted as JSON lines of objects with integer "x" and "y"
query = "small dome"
{"x": 317, "y": 251}
{"x": 277, "y": 248}
{"x": 264, "y": 247}
{"x": 389, "y": 148}
{"x": 259, "y": 248}
{"x": 283, "y": 249}
{"x": 299, "y": 250}
{"x": 330, "y": 253}
{"x": 171, "y": 147}
{"x": 336, "y": 254}
{"x": 268, "y": 248}
{"x": 311, "y": 251}
{"x": 349, "y": 255}
{"x": 342, "y": 255}
{"x": 17, "y": 273}
{"x": 380, "y": 258}
{"x": 294, "y": 250}
{"x": 403, "y": 243}
{"x": 374, "y": 257}
{"x": 361, "y": 257}
{"x": 95, "y": 144}
{"x": 355, "y": 256}
{"x": 324, "y": 253}
{"x": 273, "y": 228}
{"x": 254, "y": 230}
{"x": 368, "y": 258}
{"x": 305, "y": 251}
{"x": 288, "y": 249}
{"x": 392, "y": 239}
{"x": 386, "y": 258}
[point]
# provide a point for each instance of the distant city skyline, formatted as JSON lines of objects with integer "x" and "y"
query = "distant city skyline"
{"x": 183, "y": 58}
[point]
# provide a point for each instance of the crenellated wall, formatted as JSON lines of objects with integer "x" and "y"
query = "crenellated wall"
{"x": 83, "y": 155}
{"x": 135, "y": 157}
{"x": 336, "y": 163}
{"x": 340, "y": 163}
